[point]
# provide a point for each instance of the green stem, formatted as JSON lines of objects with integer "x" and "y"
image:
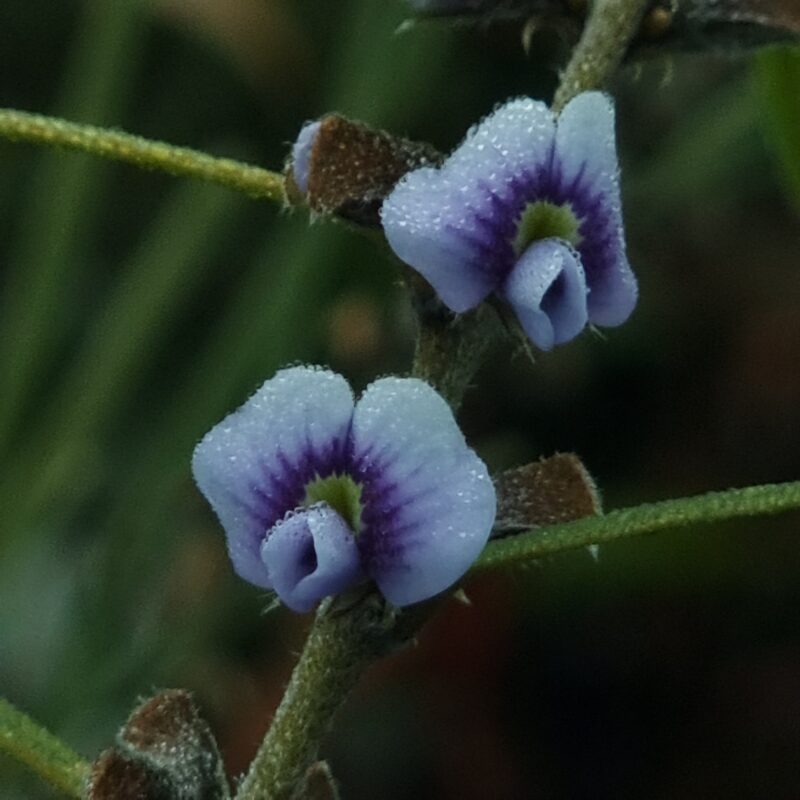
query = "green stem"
{"x": 339, "y": 646}
{"x": 42, "y": 752}
{"x": 609, "y": 29}
{"x": 449, "y": 350}
{"x": 647, "y": 518}
{"x": 256, "y": 182}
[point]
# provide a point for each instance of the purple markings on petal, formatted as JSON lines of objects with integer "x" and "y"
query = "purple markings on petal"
{"x": 301, "y": 154}
{"x": 429, "y": 501}
{"x": 456, "y": 225}
{"x": 586, "y": 148}
{"x": 253, "y": 466}
{"x": 585, "y": 144}
{"x": 547, "y": 290}
{"x": 310, "y": 555}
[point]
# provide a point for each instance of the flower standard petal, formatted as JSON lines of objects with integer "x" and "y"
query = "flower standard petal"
{"x": 309, "y": 555}
{"x": 455, "y": 224}
{"x": 429, "y": 503}
{"x": 585, "y": 142}
{"x": 586, "y": 160}
{"x": 513, "y": 140}
{"x": 420, "y": 220}
{"x": 547, "y": 290}
{"x": 254, "y": 465}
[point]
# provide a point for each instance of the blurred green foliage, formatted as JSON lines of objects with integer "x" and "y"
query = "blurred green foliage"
{"x": 137, "y": 310}
{"x": 778, "y": 85}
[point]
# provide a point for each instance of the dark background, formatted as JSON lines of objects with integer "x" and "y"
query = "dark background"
{"x": 138, "y": 309}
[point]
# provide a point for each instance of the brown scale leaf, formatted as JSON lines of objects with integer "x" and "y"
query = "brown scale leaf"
{"x": 164, "y": 750}
{"x": 555, "y": 489}
{"x": 353, "y": 167}
{"x": 116, "y": 776}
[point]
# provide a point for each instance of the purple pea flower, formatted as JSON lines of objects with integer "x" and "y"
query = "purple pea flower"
{"x": 528, "y": 207}
{"x": 318, "y": 493}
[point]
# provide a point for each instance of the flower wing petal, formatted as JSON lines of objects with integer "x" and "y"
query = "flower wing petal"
{"x": 547, "y": 290}
{"x": 587, "y": 157}
{"x": 310, "y": 555}
{"x": 429, "y": 503}
{"x": 252, "y": 467}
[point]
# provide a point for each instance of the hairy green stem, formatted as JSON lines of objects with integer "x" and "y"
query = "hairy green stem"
{"x": 42, "y": 752}
{"x": 339, "y": 646}
{"x": 256, "y": 182}
{"x": 647, "y": 518}
{"x": 609, "y": 29}
{"x": 449, "y": 350}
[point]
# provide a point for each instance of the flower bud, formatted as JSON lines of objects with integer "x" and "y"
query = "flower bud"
{"x": 345, "y": 168}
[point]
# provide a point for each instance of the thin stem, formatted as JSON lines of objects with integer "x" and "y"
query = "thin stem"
{"x": 609, "y": 29}
{"x": 256, "y": 182}
{"x": 339, "y": 646}
{"x": 648, "y": 518}
{"x": 49, "y": 757}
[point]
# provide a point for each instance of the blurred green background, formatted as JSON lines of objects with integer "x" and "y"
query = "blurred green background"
{"x": 136, "y": 310}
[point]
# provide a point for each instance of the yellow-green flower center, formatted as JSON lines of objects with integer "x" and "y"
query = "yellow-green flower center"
{"x": 341, "y": 493}
{"x": 544, "y": 220}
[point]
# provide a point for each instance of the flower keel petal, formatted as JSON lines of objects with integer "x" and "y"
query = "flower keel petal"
{"x": 310, "y": 555}
{"x": 547, "y": 290}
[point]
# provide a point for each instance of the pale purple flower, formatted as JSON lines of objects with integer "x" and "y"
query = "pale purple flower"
{"x": 528, "y": 208}
{"x": 318, "y": 492}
